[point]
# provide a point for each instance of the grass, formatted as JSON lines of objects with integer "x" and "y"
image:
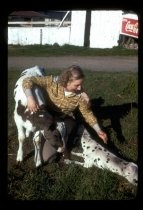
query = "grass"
{"x": 114, "y": 94}
{"x": 56, "y": 50}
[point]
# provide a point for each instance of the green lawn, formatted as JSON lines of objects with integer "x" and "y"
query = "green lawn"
{"x": 55, "y": 50}
{"x": 116, "y": 97}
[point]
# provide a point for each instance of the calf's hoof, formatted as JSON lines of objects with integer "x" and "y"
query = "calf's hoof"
{"x": 38, "y": 164}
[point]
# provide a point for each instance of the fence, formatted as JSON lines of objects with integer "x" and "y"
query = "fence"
{"x": 38, "y": 35}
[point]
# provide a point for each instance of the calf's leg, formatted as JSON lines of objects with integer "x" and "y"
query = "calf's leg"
{"x": 21, "y": 138}
{"x": 37, "y": 145}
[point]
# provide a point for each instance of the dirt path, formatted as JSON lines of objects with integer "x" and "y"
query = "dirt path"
{"x": 98, "y": 63}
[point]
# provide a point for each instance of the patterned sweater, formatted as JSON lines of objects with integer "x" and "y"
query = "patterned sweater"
{"x": 64, "y": 104}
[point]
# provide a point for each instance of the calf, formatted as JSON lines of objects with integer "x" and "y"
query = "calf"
{"x": 27, "y": 122}
{"x": 96, "y": 155}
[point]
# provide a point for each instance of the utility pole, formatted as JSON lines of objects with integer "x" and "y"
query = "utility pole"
{"x": 87, "y": 29}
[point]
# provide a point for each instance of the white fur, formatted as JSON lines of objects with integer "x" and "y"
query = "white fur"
{"x": 96, "y": 155}
{"x": 24, "y": 128}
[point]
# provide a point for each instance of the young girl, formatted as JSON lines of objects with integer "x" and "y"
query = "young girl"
{"x": 64, "y": 96}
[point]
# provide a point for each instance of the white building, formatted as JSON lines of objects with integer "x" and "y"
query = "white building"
{"x": 94, "y": 29}
{"x": 104, "y": 28}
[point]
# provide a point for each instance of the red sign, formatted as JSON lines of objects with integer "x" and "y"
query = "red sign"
{"x": 130, "y": 27}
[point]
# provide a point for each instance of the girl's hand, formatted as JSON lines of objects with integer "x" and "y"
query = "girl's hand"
{"x": 31, "y": 104}
{"x": 103, "y": 136}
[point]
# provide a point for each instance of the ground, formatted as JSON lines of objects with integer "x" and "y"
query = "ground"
{"x": 95, "y": 63}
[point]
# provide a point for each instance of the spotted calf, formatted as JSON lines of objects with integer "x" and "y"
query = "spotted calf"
{"x": 35, "y": 123}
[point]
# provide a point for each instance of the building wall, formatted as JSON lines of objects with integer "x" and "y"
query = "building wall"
{"x": 77, "y": 28}
{"x": 105, "y": 28}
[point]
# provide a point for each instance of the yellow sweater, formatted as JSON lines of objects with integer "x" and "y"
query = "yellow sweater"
{"x": 66, "y": 104}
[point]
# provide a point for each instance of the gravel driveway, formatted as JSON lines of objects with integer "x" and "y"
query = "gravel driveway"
{"x": 98, "y": 63}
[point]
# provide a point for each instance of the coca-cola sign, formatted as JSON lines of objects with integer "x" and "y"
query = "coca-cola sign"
{"x": 129, "y": 27}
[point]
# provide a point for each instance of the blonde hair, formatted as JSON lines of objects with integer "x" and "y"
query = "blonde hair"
{"x": 72, "y": 73}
